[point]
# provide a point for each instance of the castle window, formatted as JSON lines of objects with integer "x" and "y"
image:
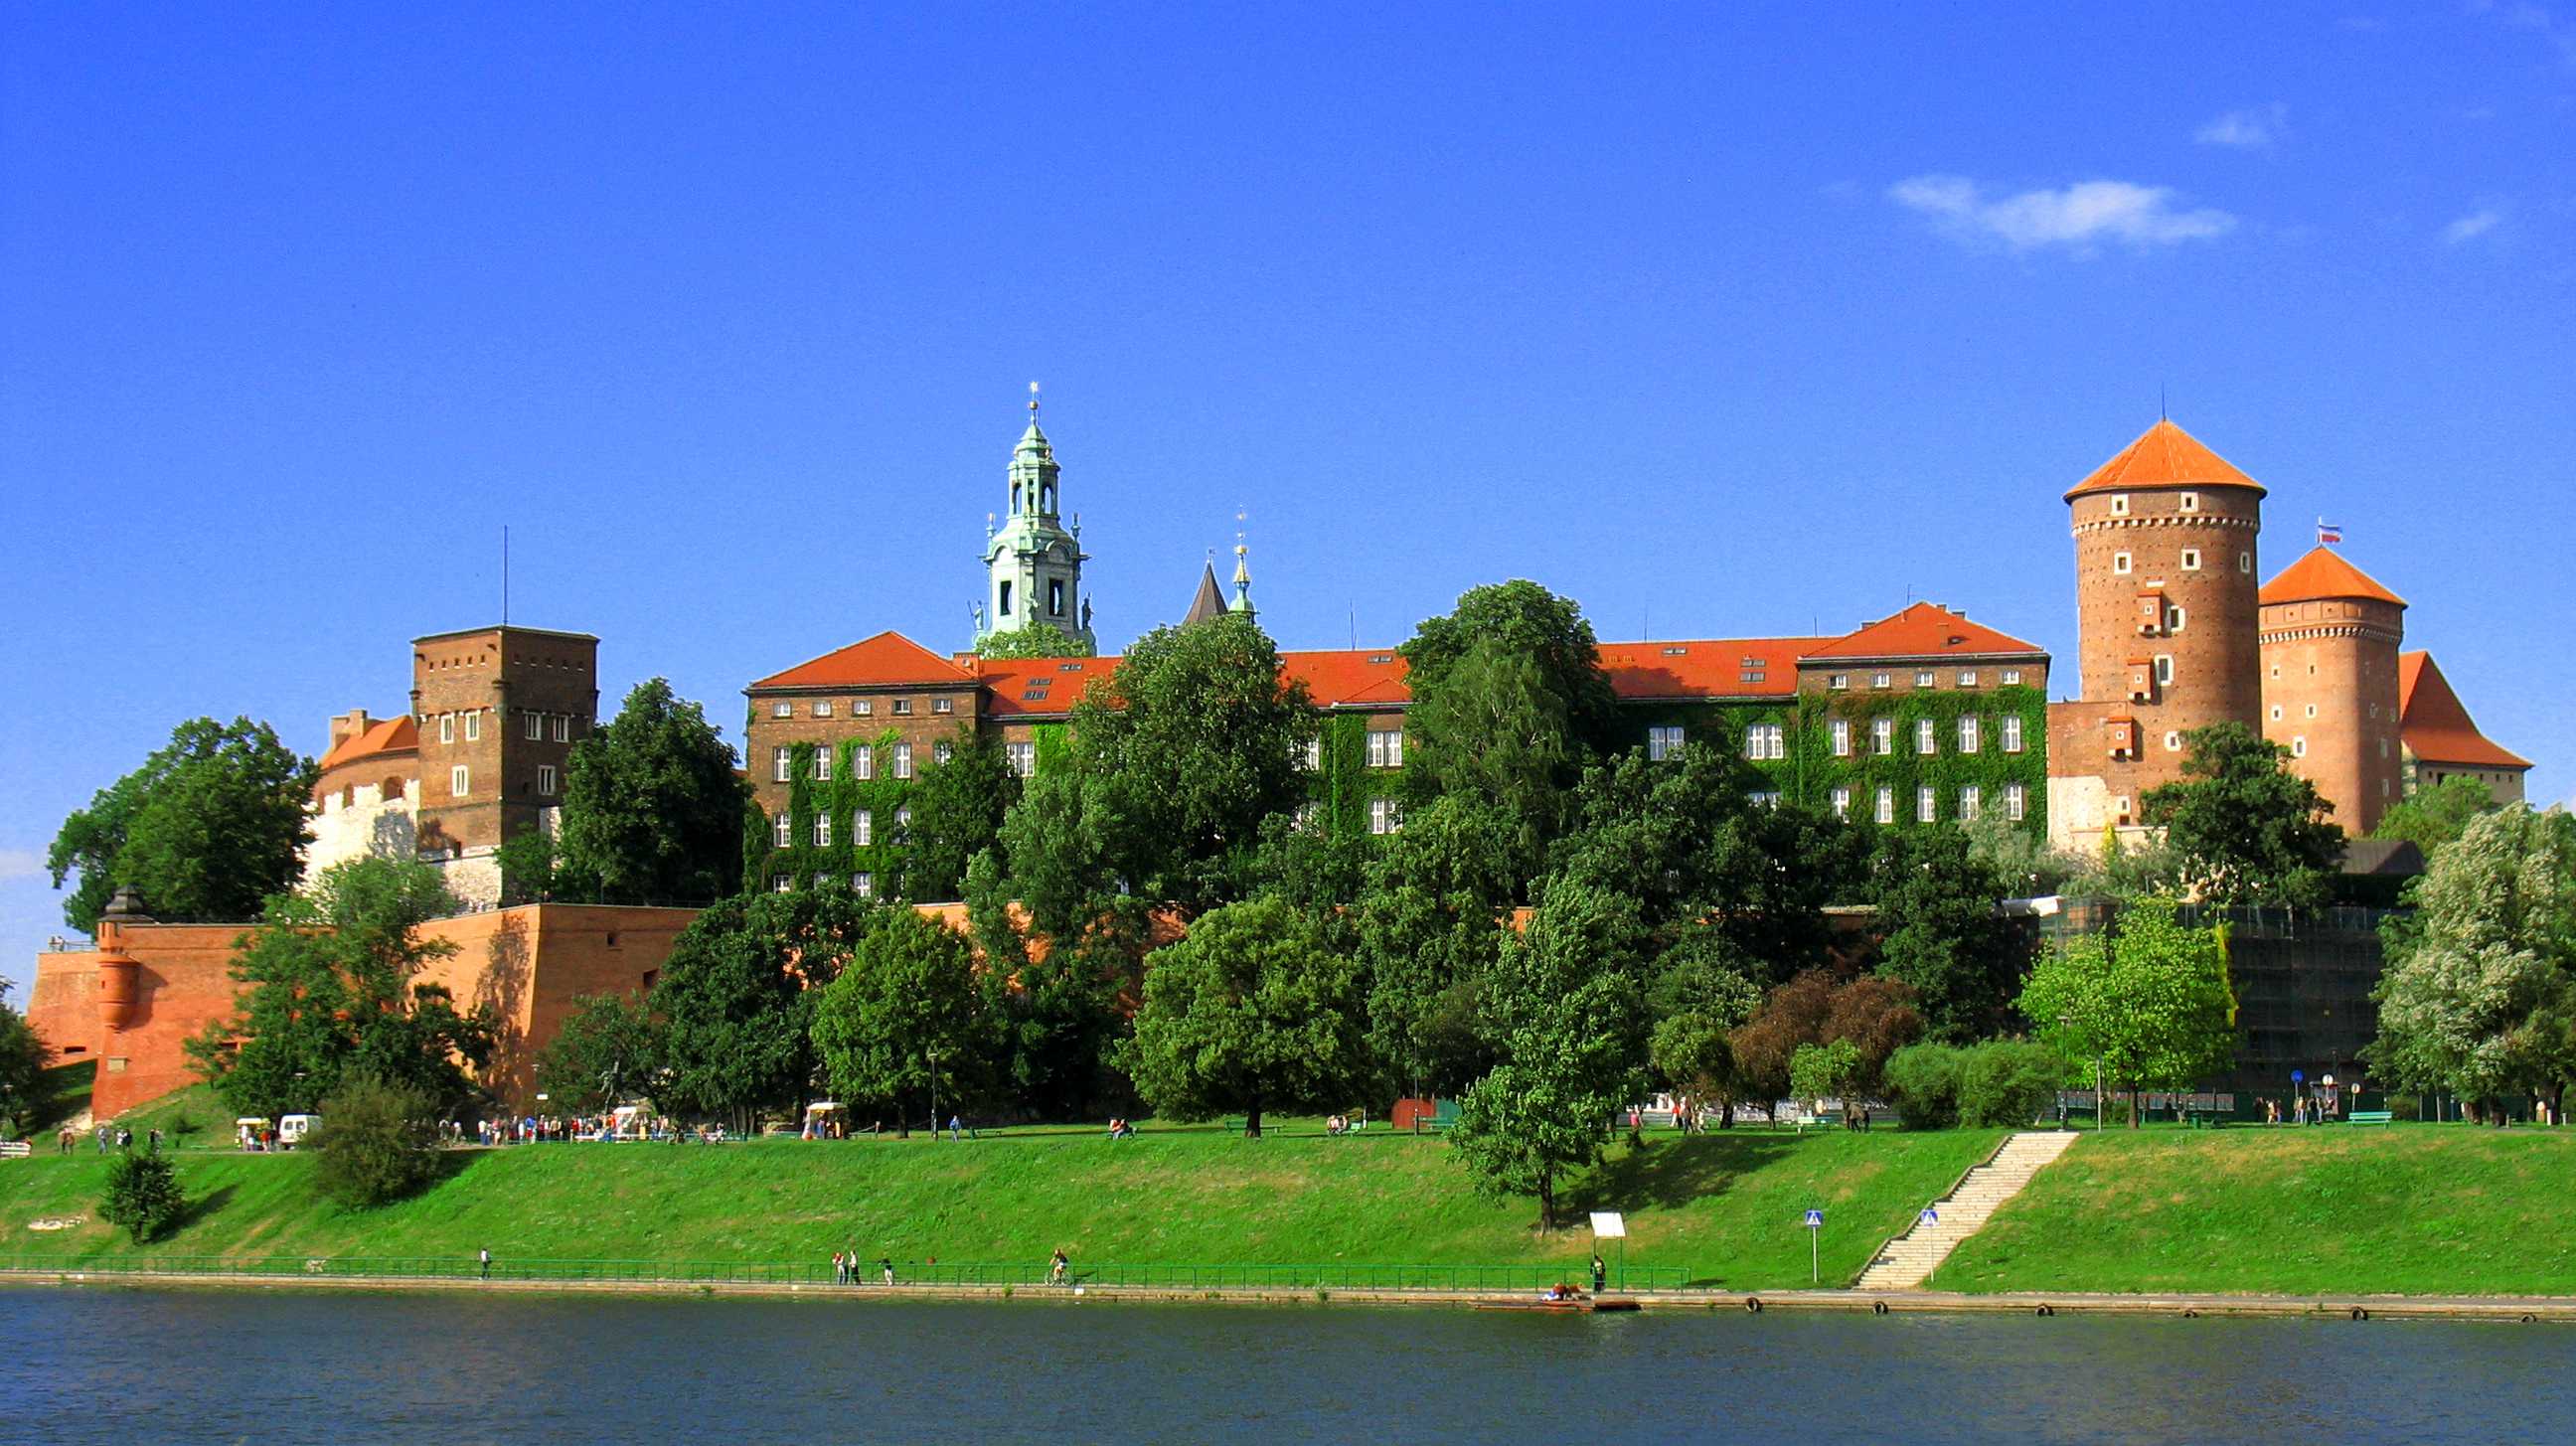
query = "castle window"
{"x": 394, "y": 788}
{"x": 1886, "y": 806}
{"x": 1971, "y": 798}
{"x": 2298, "y": 748}
{"x": 2173, "y": 741}
{"x": 864, "y": 759}
{"x": 903, "y": 760}
{"x": 1046, "y": 497}
{"x": 1968, "y": 733}
{"x": 902, "y": 823}
{"x": 782, "y": 709}
{"x": 1838, "y": 681}
{"x": 1923, "y": 677}
{"x": 822, "y": 830}
{"x": 1882, "y": 736}
{"x": 1006, "y": 598}
{"x": 2312, "y": 710}
{"x": 1662, "y": 742}
{"x": 780, "y": 768}
{"x": 1386, "y": 748}
{"x": 823, "y": 764}
{"x": 2012, "y": 733}
{"x": 2012, "y": 677}
{"x": 2244, "y": 562}
{"x": 2120, "y": 563}
{"x": 2120, "y": 807}
{"x": 1385, "y": 817}
{"x": 536, "y": 727}
{"x": 862, "y": 707}
{"x": 459, "y": 782}
{"x": 348, "y": 795}
{"x": 1842, "y": 802}
{"x": 2016, "y": 801}
{"x": 446, "y": 727}
{"x": 2190, "y": 557}
{"x": 2276, "y": 712}
{"x": 2164, "y": 670}
{"x": 782, "y": 829}
{"x": 1925, "y": 740}
{"x": 546, "y": 779}
{"x": 1967, "y": 677}
{"x": 1055, "y": 597}
{"x": 2190, "y": 502}
{"x": 1023, "y": 758}
{"x": 822, "y": 707}
{"x": 2174, "y": 617}
{"x": 1878, "y": 680}
{"x": 563, "y": 727}
{"x": 474, "y": 727}
{"x": 1311, "y": 757}
{"x": 864, "y": 885}
{"x": 942, "y": 751}
{"x": 781, "y": 883}
{"x": 863, "y": 827}
{"x": 943, "y": 705}
{"x": 903, "y": 707}
{"x": 1764, "y": 740}
{"x": 1927, "y": 805}
{"x": 2120, "y": 505}
{"x": 1767, "y": 798}
{"x": 1840, "y": 732}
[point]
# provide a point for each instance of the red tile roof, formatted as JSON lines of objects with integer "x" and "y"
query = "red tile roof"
{"x": 1925, "y": 630}
{"x": 393, "y": 735}
{"x": 1017, "y": 687}
{"x": 2164, "y": 456}
{"x": 889, "y": 657}
{"x": 1706, "y": 667}
{"x": 1342, "y": 677}
{"x": 2324, "y": 574}
{"x": 2434, "y": 723}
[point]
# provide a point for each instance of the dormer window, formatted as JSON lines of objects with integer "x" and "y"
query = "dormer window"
{"x": 2120, "y": 505}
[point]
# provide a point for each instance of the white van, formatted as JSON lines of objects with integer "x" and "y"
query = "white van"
{"x": 291, "y": 1129}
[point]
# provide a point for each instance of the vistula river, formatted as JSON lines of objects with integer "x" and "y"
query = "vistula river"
{"x": 280, "y": 1369}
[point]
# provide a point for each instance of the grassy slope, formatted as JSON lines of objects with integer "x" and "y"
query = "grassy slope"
{"x": 2426, "y": 1209}
{"x": 1727, "y": 1206}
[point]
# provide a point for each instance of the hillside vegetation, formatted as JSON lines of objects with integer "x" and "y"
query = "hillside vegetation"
{"x": 1727, "y": 1206}
{"x": 2420, "y": 1209}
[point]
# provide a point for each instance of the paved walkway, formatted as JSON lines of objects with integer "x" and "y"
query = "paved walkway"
{"x": 1911, "y": 1258}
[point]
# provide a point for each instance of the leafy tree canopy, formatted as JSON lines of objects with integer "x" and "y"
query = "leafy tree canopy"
{"x": 2479, "y": 997}
{"x": 2150, "y": 1000}
{"x": 2432, "y": 817}
{"x": 1876, "y": 1014}
{"x": 26, "y": 1090}
{"x": 608, "y": 1051}
{"x": 1522, "y": 619}
{"x": 207, "y": 828}
{"x": 957, "y": 812}
{"x": 331, "y": 992}
{"x": 1250, "y": 1012}
{"x": 378, "y": 1143}
{"x": 143, "y": 1196}
{"x": 2243, "y": 827}
{"x": 1429, "y": 919}
{"x": 1492, "y": 728}
{"x": 1939, "y": 932}
{"x": 1034, "y": 640}
{"x": 734, "y": 1003}
{"x": 905, "y": 1018}
{"x": 652, "y": 810}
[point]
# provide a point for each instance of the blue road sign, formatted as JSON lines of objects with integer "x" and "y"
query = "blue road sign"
{"x": 2297, "y": 1075}
{"x": 1930, "y": 1215}
{"x": 1815, "y": 1219}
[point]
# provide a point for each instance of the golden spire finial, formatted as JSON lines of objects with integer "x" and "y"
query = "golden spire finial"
{"x": 1033, "y": 402}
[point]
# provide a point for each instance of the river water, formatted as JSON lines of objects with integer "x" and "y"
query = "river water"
{"x": 135, "y": 1367}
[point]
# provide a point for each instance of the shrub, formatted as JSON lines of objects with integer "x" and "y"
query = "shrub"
{"x": 377, "y": 1143}
{"x": 142, "y": 1195}
{"x": 2008, "y": 1082}
{"x": 1924, "y": 1081}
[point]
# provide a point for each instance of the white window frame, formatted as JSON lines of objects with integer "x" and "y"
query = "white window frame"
{"x": 2191, "y": 559}
{"x": 863, "y": 761}
{"x": 783, "y": 708}
{"x": 863, "y": 707}
{"x": 942, "y": 751}
{"x": 943, "y": 705}
{"x": 460, "y": 781}
{"x": 1022, "y": 757}
{"x": 1386, "y": 748}
{"x": 822, "y": 830}
{"x": 823, "y": 763}
{"x": 546, "y": 780}
{"x": 782, "y": 765}
{"x": 902, "y": 821}
{"x": 2012, "y": 732}
{"x": 1927, "y": 804}
{"x": 1310, "y": 757}
{"x": 2245, "y": 562}
{"x": 1968, "y": 733}
{"x": 1967, "y": 677}
{"x": 2299, "y": 747}
{"x": 1663, "y": 740}
{"x": 2121, "y": 565}
{"x": 2120, "y": 504}
{"x": 535, "y": 730}
{"x": 1838, "y": 682}
{"x": 474, "y": 726}
{"x": 2175, "y": 617}
{"x": 782, "y": 883}
{"x": 1385, "y": 816}
{"x": 2016, "y": 802}
{"x": 902, "y": 759}
{"x": 1971, "y": 799}
{"x": 2164, "y": 672}
{"x": 863, "y": 827}
{"x": 864, "y": 884}
{"x": 822, "y": 708}
{"x": 1839, "y": 731}
{"x": 2188, "y": 502}
{"x": 903, "y": 707}
{"x": 1884, "y": 806}
{"x": 446, "y": 727}
{"x": 782, "y": 830}
{"x": 1927, "y": 738}
{"x": 1878, "y": 680}
{"x": 2173, "y": 740}
{"x": 563, "y": 728}
{"x": 2012, "y": 677}
{"x": 1882, "y": 737}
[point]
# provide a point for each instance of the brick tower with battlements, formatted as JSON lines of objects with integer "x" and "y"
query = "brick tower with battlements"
{"x": 2330, "y": 637}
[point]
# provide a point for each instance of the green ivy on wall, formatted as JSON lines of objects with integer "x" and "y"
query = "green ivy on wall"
{"x": 1342, "y": 784}
{"x": 841, "y": 798}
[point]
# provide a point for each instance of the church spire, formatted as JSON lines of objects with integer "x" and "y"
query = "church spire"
{"x": 1242, "y": 571}
{"x": 1032, "y": 564}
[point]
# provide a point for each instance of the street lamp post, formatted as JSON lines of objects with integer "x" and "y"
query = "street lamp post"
{"x": 934, "y": 1093}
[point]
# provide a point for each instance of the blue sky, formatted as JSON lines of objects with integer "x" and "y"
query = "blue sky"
{"x": 1725, "y": 320}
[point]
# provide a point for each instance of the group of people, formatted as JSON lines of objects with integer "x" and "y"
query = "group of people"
{"x": 121, "y": 1138}
{"x": 846, "y": 1268}
{"x": 1345, "y": 1124}
{"x": 1121, "y": 1128}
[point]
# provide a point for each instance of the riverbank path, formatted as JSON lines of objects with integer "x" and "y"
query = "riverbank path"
{"x": 1910, "y": 1258}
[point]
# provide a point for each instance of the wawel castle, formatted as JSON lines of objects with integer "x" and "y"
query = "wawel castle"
{"x": 1920, "y": 718}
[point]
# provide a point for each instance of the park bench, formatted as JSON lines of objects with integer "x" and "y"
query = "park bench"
{"x": 2372, "y": 1117}
{"x": 13, "y": 1149}
{"x": 2205, "y": 1119}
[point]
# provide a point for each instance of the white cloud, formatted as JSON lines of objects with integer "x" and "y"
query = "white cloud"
{"x": 2246, "y": 130}
{"x": 2076, "y": 216}
{"x": 2476, "y": 223}
{"x": 16, "y": 864}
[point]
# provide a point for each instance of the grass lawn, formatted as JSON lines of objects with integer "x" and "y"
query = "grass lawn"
{"x": 1726, "y": 1206}
{"x": 2413, "y": 1209}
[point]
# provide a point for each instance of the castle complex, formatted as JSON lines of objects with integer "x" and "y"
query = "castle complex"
{"x": 1920, "y": 718}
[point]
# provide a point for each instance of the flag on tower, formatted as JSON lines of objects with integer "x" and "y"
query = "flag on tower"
{"x": 2328, "y": 532}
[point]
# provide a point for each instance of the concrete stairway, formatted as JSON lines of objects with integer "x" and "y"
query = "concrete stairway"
{"x": 1910, "y": 1257}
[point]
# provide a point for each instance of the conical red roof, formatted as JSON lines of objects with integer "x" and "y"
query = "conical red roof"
{"x": 2436, "y": 725}
{"x": 2164, "y": 456}
{"x": 2324, "y": 574}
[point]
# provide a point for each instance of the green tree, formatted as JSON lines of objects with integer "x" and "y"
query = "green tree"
{"x": 1940, "y": 932}
{"x": 2480, "y": 986}
{"x": 143, "y": 1196}
{"x": 207, "y": 828}
{"x": 957, "y": 812}
{"x": 1053, "y": 1015}
{"x": 904, "y": 1020}
{"x": 1829, "y": 1070}
{"x": 1703, "y": 991}
{"x": 653, "y": 807}
{"x": 2006, "y": 1083}
{"x": 1564, "y": 1003}
{"x": 1490, "y": 730}
{"x": 2149, "y": 999}
{"x": 607, "y": 1052}
{"x": 26, "y": 1090}
{"x": 1522, "y": 619}
{"x": 2244, "y": 828}
{"x": 378, "y": 1143}
{"x": 1924, "y": 1079}
{"x": 1034, "y": 640}
{"x": 531, "y": 868}
{"x": 1876, "y": 1014}
{"x": 1250, "y": 1012}
{"x": 331, "y": 990}
{"x": 735, "y": 1001}
{"x": 2431, "y": 817}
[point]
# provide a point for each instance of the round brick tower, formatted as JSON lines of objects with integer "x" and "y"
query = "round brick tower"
{"x": 2166, "y": 609}
{"x": 2330, "y": 638}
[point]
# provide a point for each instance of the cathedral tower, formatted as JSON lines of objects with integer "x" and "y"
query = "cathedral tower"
{"x": 2330, "y": 639}
{"x": 1032, "y": 562}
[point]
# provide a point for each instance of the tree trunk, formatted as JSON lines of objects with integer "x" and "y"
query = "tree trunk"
{"x": 1726, "y": 1115}
{"x": 1252, "y": 1121}
{"x": 2133, "y": 1107}
{"x": 1547, "y": 1202}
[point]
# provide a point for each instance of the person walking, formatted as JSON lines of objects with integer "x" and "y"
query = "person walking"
{"x": 1057, "y": 1265}
{"x": 840, "y": 1268}
{"x": 885, "y": 1268}
{"x": 1600, "y": 1273}
{"x": 487, "y": 1262}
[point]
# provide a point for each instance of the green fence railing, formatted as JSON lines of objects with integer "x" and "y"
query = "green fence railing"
{"x": 820, "y": 1273}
